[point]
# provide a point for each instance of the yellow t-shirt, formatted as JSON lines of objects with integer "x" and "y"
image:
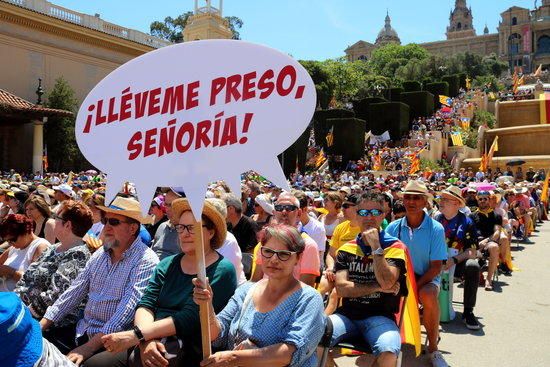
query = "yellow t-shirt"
{"x": 343, "y": 233}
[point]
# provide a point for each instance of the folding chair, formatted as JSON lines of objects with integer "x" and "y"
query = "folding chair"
{"x": 357, "y": 343}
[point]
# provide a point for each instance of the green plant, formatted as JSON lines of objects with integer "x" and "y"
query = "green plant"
{"x": 483, "y": 118}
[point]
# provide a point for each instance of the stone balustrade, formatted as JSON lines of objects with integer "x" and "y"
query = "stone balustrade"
{"x": 89, "y": 21}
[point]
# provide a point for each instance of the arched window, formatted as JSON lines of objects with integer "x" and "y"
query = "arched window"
{"x": 514, "y": 21}
{"x": 459, "y": 26}
{"x": 466, "y": 26}
{"x": 362, "y": 58}
{"x": 543, "y": 45}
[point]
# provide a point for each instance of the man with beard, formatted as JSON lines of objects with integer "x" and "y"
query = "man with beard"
{"x": 114, "y": 280}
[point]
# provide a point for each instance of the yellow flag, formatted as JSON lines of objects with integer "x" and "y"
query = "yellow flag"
{"x": 446, "y": 101}
{"x": 544, "y": 194}
{"x": 456, "y": 138}
{"x": 492, "y": 150}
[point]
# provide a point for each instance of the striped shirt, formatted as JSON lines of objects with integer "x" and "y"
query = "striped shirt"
{"x": 113, "y": 290}
{"x": 52, "y": 357}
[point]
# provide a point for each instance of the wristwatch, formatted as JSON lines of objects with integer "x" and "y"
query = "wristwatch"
{"x": 379, "y": 251}
{"x": 139, "y": 334}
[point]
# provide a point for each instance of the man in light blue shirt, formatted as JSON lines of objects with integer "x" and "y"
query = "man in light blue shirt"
{"x": 425, "y": 239}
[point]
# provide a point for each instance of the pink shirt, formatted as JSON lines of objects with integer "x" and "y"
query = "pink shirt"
{"x": 309, "y": 262}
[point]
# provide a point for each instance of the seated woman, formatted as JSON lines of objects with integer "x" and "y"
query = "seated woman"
{"x": 264, "y": 210}
{"x": 47, "y": 278}
{"x": 25, "y": 248}
{"x": 166, "y": 316}
{"x": 276, "y": 322}
{"x": 39, "y": 211}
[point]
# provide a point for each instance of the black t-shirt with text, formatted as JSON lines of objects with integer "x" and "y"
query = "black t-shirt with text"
{"x": 361, "y": 271}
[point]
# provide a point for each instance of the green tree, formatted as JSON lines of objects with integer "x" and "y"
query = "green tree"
{"x": 59, "y": 133}
{"x": 322, "y": 79}
{"x": 171, "y": 29}
{"x": 388, "y": 58}
{"x": 346, "y": 77}
{"x": 413, "y": 70}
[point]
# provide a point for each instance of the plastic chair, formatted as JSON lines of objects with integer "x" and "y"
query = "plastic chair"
{"x": 357, "y": 343}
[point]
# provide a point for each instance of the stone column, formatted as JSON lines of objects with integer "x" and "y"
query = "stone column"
{"x": 221, "y": 8}
{"x": 38, "y": 146}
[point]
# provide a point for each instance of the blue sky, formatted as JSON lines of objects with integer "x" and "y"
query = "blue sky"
{"x": 311, "y": 29}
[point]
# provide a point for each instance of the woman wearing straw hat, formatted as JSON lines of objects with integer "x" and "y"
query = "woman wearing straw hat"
{"x": 167, "y": 320}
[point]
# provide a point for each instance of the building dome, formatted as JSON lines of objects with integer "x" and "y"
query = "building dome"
{"x": 387, "y": 34}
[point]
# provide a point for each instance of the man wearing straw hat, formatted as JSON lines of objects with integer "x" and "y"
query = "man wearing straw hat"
{"x": 425, "y": 239}
{"x": 461, "y": 236}
{"x": 114, "y": 280}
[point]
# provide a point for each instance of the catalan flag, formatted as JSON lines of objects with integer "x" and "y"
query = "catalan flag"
{"x": 456, "y": 138}
{"x": 415, "y": 163}
{"x": 446, "y": 101}
{"x": 519, "y": 83}
{"x": 465, "y": 123}
{"x": 545, "y": 108}
{"x": 45, "y": 159}
{"x": 408, "y": 313}
{"x": 377, "y": 162}
{"x": 492, "y": 150}
{"x": 539, "y": 71}
{"x": 321, "y": 158}
{"x": 483, "y": 163}
{"x": 330, "y": 137}
{"x": 544, "y": 194}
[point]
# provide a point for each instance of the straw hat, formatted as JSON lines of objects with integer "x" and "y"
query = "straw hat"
{"x": 127, "y": 207}
{"x": 179, "y": 206}
{"x": 518, "y": 189}
{"x": 416, "y": 188}
{"x": 453, "y": 192}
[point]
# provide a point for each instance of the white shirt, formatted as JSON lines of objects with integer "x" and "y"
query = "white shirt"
{"x": 232, "y": 252}
{"x": 316, "y": 230}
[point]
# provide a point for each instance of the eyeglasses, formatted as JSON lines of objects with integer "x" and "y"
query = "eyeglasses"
{"x": 287, "y": 207}
{"x": 180, "y": 228}
{"x": 482, "y": 199}
{"x": 113, "y": 222}
{"x": 347, "y": 205}
{"x": 282, "y": 255}
{"x": 367, "y": 212}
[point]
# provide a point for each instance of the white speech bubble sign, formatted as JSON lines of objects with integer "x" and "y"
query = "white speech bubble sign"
{"x": 193, "y": 113}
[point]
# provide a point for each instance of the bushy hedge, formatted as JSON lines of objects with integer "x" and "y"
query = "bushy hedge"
{"x": 349, "y": 138}
{"x": 390, "y": 116}
{"x": 394, "y": 94}
{"x": 437, "y": 89}
{"x": 454, "y": 84}
{"x": 321, "y": 125}
{"x": 361, "y": 107}
{"x": 462, "y": 80}
{"x": 412, "y": 86}
{"x": 420, "y": 103}
{"x": 297, "y": 150}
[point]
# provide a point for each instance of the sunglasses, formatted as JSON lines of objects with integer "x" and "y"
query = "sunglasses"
{"x": 113, "y": 222}
{"x": 347, "y": 205}
{"x": 57, "y": 217}
{"x": 287, "y": 207}
{"x": 181, "y": 228}
{"x": 369, "y": 212}
{"x": 482, "y": 199}
{"x": 282, "y": 255}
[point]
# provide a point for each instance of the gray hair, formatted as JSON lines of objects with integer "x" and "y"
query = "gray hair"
{"x": 288, "y": 196}
{"x": 234, "y": 201}
{"x": 288, "y": 235}
{"x": 220, "y": 206}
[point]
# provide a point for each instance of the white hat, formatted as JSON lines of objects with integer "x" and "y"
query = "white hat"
{"x": 263, "y": 201}
{"x": 65, "y": 189}
{"x": 345, "y": 189}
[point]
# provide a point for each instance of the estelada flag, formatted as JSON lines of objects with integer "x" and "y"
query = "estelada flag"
{"x": 544, "y": 108}
{"x": 444, "y": 100}
{"x": 330, "y": 137}
{"x": 395, "y": 249}
{"x": 377, "y": 162}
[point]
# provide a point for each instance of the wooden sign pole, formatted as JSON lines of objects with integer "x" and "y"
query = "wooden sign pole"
{"x": 201, "y": 274}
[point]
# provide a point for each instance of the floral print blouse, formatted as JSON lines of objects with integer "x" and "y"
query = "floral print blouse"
{"x": 47, "y": 278}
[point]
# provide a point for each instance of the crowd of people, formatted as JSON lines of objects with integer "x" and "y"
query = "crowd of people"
{"x": 101, "y": 284}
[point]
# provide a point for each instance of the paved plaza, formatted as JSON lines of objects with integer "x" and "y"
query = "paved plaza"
{"x": 514, "y": 317}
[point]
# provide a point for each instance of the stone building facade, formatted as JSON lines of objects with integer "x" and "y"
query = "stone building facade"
{"x": 522, "y": 38}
